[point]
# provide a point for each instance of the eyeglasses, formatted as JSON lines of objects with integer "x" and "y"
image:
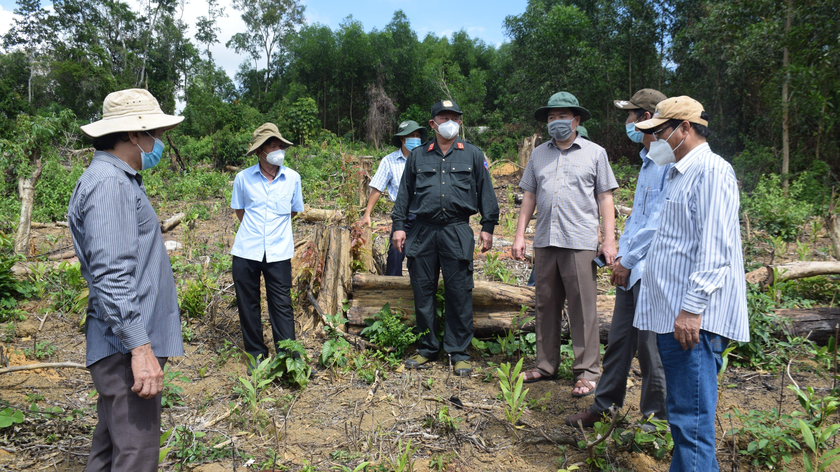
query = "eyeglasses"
{"x": 656, "y": 133}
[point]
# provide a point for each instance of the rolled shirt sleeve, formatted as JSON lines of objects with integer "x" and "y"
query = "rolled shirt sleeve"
{"x": 297, "y": 198}
{"x": 716, "y": 210}
{"x": 113, "y": 260}
{"x": 605, "y": 179}
{"x": 236, "y": 199}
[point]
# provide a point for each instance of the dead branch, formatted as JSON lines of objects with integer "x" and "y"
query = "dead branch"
{"x": 172, "y": 222}
{"x": 48, "y": 365}
{"x": 590, "y": 445}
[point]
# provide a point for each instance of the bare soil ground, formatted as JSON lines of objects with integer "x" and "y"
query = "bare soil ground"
{"x": 338, "y": 419}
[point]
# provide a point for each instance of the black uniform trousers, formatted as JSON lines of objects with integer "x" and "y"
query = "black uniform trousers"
{"x": 430, "y": 249}
{"x": 278, "y": 283}
{"x": 393, "y": 266}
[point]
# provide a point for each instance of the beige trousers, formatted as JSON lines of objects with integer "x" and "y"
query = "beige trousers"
{"x": 567, "y": 275}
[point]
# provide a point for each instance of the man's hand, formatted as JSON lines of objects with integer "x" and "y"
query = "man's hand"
{"x": 620, "y": 274}
{"x": 517, "y": 251}
{"x": 687, "y": 329}
{"x": 365, "y": 221}
{"x": 398, "y": 240}
{"x": 608, "y": 250}
{"x": 486, "y": 241}
{"x": 148, "y": 376}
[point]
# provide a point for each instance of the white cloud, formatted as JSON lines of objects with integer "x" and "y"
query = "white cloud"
{"x": 6, "y": 18}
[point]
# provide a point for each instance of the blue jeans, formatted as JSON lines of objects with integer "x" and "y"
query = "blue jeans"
{"x": 691, "y": 399}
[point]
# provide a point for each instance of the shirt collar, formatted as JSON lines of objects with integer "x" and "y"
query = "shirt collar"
{"x": 577, "y": 142}
{"x": 256, "y": 170}
{"x": 398, "y": 154}
{"x": 115, "y": 161}
{"x": 689, "y": 158}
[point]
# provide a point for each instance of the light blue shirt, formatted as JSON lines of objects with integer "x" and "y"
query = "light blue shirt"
{"x": 266, "y": 228}
{"x": 389, "y": 174}
{"x": 640, "y": 226}
{"x": 696, "y": 262}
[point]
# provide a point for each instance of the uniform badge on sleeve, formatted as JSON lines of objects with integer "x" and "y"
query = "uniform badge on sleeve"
{"x": 486, "y": 165}
{"x": 460, "y": 145}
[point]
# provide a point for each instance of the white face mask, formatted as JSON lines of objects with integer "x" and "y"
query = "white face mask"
{"x": 276, "y": 158}
{"x": 661, "y": 153}
{"x": 448, "y": 130}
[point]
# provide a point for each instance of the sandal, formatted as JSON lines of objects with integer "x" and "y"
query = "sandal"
{"x": 535, "y": 375}
{"x": 583, "y": 383}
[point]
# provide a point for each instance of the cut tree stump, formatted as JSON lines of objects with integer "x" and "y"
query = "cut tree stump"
{"x": 794, "y": 270}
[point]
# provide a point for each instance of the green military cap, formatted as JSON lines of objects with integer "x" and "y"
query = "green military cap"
{"x": 445, "y": 105}
{"x": 407, "y": 127}
{"x": 562, "y": 100}
{"x": 645, "y": 99}
{"x": 582, "y": 131}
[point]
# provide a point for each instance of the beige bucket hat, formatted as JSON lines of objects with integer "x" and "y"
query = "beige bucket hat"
{"x": 263, "y": 134}
{"x": 130, "y": 110}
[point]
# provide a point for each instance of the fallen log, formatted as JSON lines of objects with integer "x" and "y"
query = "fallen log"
{"x": 818, "y": 324}
{"x": 794, "y": 270}
{"x": 172, "y": 222}
{"x": 314, "y": 215}
{"x": 57, "y": 224}
{"x": 623, "y": 210}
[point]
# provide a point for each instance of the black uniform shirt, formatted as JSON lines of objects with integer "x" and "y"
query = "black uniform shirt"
{"x": 443, "y": 189}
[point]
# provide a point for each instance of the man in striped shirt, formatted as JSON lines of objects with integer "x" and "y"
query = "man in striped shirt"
{"x": 133, "y": 323}
{"x": 693, "y": 289}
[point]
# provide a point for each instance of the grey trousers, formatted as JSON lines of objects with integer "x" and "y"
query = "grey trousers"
{"x": 567, "y": 275}
{"x": 127, "y": 437}
{"x": 624, "y": 342}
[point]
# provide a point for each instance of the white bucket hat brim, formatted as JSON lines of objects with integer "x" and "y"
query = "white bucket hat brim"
{"x": 130, "y": 110}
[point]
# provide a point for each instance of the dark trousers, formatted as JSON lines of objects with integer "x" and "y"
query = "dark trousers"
{"x": 393, "y": 266}
{"x": 624, "y": 342}
{"x": 431, "y": 249}
{"x": 127, "y": 436}
{"x": 278, "y": 283}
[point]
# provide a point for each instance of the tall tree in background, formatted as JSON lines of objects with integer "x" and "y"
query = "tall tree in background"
{"x": 270, "y": 23}
{"x": 207, "y": 30}
{"x": 28, "y": 32}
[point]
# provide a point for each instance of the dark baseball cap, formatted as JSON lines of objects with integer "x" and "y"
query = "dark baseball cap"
{"x": 645, "y": 99}
{"x": 445, "y": 105}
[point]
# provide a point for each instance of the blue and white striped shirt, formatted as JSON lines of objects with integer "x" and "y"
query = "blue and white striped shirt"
{"x": 116, "y": 234}
{"x": 389, "y": 174}
{"x": 640, "y": 227}
{"x": 695, "y": 262}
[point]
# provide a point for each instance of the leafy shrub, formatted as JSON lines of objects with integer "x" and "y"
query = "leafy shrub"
{"x": 776, "y": 213}
{"x": 10, "y": 287}
{"x": 773, "y": 437}
{"x": 53, "y": 190}
{"x": 388, "y": 330}
{"x": 195, "y": 297}
{"x": 290, "y": 363}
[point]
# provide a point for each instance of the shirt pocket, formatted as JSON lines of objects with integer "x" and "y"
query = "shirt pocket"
{"x": 649, "y": 204}
{"x": 281, "y": 203}
{"x": 426, "y": 176}
{"x": 461, "y": 175}
{"x": 674, "y": 219}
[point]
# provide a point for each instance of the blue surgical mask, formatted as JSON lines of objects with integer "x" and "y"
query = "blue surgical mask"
{"x": 151, "y": 159}
{"x": 560, "y": 130}
{"x": 411, "y": 143}
{"x": 633, "y": 134}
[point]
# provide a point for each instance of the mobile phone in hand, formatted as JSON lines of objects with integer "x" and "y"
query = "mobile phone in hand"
{"x": 600, "y": 261}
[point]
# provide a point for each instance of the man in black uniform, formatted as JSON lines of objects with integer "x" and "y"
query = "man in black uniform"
{"x": 444, "y": 183}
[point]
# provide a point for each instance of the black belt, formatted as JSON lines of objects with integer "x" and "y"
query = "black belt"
{"x": 440, "y": 224}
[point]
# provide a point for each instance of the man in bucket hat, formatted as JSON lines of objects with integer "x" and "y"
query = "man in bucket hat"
{"x": 570, "y": 182}
{"x": 409, "y": 135}
{"x": 444, "y": 183}
{"x": 133, "y": 322}
{"x": 625, "y": 340}
{"x": 266, "y": 196}
{"x": 693, "y": 290}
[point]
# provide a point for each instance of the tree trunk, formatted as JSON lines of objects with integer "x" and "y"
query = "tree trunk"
{"x": 526, "y": 148}
{"x": 26, "y": 189}
{"x": 786, "y": 104}
{"x": 832, "y": 226}
{"x": 365, "y": 169}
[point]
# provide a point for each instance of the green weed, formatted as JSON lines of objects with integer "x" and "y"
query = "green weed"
{"x": 514, "y": 397}
{"x": 388, "y": 329}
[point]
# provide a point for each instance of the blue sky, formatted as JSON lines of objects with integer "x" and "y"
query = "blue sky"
{"x": 482, "y": 19}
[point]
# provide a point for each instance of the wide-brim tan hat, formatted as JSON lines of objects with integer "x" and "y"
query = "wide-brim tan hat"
{"x": 130, "y": 110}
{"x": 263, "y": 134}
{"x": 682, "y": 108}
